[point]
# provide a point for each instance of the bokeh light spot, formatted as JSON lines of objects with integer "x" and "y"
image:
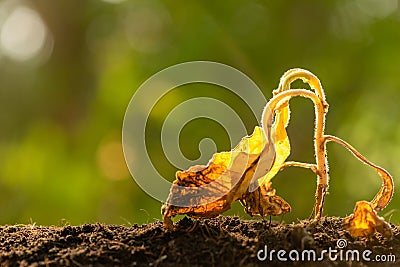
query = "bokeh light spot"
{"x": 23, "y": 34}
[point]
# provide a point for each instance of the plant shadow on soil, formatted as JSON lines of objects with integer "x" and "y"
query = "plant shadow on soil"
{"x": 220, "y": 241}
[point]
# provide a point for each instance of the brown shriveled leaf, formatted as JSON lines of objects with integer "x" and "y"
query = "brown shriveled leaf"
{"x": 264, "y": 202}
{"x": 206, "y": 191}
{"x": 242, "y": 173}
{"x": 365, "y": 222}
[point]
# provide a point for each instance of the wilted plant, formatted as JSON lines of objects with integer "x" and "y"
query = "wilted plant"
{"x": 246, "y": 171}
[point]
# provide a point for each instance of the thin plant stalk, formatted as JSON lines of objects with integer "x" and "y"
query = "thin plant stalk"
{"x": 310, "y": 166}
{"x": 321, "y": 108}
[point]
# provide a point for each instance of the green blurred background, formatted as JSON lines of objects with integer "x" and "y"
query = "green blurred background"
{"x": 69, "y": 68}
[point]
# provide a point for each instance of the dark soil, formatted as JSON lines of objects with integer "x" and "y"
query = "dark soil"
{"x": 223, "y": 241}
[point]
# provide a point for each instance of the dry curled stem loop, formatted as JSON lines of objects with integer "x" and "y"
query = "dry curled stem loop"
{"x": 284, "y": 93}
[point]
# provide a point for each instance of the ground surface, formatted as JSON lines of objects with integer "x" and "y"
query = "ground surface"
{"x": 223, "y": 241}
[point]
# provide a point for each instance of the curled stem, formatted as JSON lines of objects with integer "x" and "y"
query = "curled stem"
{"x": 321, "y": 108}
{"x": 294, "y": 74}
{"x": 385, "y": 193}
{"x": 281, "y": 97}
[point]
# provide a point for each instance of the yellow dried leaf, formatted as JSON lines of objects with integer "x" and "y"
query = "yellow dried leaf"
{"x": 365, "y": 222}
{"x": 206, "y": 191}
{"x": 281, "y": 143}
{"x": 243, "y": 173}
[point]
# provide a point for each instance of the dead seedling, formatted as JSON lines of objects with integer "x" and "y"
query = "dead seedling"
{"x": 246, "y": 171}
